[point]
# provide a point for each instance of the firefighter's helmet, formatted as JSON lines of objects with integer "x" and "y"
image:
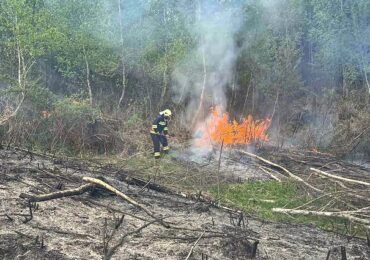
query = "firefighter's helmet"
{"x": 166, "y": 113}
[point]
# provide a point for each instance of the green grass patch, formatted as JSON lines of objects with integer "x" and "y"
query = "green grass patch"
{"x": 258, "y": 198}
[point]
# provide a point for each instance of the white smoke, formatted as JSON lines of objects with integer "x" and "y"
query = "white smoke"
{"x": 211, "y": 63}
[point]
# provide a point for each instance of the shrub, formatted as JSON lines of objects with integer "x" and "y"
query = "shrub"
{"x": 70, "y": 122}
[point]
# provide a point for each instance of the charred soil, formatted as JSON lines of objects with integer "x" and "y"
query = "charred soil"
{"x": 100, "y": 225}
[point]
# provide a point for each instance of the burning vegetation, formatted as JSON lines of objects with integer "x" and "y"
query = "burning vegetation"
{"x": 218, "y": 128}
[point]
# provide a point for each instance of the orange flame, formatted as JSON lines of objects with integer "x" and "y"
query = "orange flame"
{"x": 218, "y": 128}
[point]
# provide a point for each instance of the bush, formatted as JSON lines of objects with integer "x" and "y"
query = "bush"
{"x": 70, "y": 123}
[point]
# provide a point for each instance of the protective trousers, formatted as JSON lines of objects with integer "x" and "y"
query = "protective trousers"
{"x": 157, "y": 141}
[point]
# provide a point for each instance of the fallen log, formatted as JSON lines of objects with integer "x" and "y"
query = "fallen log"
{"x": 82, "y": 189}
{"x": 56, "y": 195}
{"x": 281, "y": 168}
{"x": 344, "y": 215}
{"x": 340, "y": 178}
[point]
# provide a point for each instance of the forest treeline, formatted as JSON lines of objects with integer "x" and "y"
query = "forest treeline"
{"x": 82, "y": 75}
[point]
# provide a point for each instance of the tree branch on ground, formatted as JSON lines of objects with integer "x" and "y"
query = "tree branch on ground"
{"x": 281, "y": 168}
{"x": 340, "y": 178}
{"x": 123, "y": 196}
{"x": 340, "y": 214}
{"x": 192, "y": 248}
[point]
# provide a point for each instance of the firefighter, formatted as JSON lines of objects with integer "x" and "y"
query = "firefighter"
{"x": 159, "y": 132}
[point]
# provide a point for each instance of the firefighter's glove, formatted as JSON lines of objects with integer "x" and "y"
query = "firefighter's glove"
{"x": 154, "y": 129}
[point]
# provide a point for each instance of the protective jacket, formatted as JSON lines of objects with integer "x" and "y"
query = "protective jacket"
{"x": 158, "y": 133}
{"x": 159, "y": 126}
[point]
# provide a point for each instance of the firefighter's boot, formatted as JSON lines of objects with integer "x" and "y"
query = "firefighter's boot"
{"x": 166, "y": 149}
{"x": 157, "y": 155}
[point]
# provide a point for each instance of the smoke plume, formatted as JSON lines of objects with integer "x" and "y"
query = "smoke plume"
{"x": 208, "y": 69}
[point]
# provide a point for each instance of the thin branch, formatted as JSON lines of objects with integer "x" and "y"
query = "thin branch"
{"x": 340, "y": 178}
{"x": 264, "y": 169}
{"x": 123, "y": 196}
{"x": 340, "y": 214}
{"x": 281, "y": 168}
{"x": 114, "y": 248}
{"x": 192, "y": 248}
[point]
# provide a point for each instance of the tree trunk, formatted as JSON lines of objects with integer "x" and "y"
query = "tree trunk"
{"x": 246, "y": 97}
{"x": 19, "y": 65}
{"x": 233, "y": 93}
{"x": 165, "y": 81}
{"x": 21, "y": 75}
{"x": 122, "y": 57}
{"x": 165, "y": 70}
{"x": 365, "y": 76}
{"x": 275, "y": 105}
{"x": 88, "y": 77}
{"x": 201, "y": 98}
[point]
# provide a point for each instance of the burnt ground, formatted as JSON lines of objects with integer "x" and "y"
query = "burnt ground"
{"x": 78, "y": 227}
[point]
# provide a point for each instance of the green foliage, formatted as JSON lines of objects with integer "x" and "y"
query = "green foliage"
{"x": 255, "y": 196}
{"x": 67, "y": 126}
{"x": 26, "y": 25}
{"x": 75, "y": 110}
{"x": 133, "y": 121}
{"x": 340, "y": 32}
{"x": 41, "y": 98}
{"x": 288, "y": 53}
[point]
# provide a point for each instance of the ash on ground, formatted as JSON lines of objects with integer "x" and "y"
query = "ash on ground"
{"x": 89, "y": 226}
